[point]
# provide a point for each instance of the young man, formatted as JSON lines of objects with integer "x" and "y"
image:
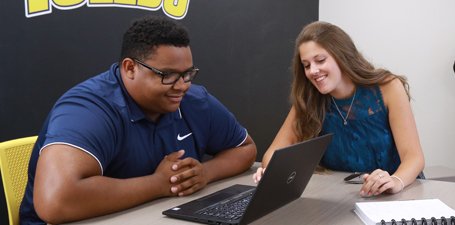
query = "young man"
{"x": 132, "y": 134}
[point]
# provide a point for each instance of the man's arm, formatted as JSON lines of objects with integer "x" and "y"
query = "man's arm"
{"x": 69, "y": 186}
{"x": 231, "y": 162}
{"x": 225, "y": 164}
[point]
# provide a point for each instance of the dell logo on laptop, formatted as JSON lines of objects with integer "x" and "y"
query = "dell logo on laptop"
{"x": 291, "y": 177}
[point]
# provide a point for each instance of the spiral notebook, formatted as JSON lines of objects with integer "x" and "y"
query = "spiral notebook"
{"x": 405, "y": 212}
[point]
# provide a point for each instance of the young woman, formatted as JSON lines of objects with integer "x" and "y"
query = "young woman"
{"x": 337, "y": 91}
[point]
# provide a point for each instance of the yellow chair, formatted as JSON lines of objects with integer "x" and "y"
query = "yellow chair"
{"x": 14, "y": 159}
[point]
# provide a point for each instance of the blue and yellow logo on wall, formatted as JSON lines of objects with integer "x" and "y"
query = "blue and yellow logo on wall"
{"x": 175, "y": 9}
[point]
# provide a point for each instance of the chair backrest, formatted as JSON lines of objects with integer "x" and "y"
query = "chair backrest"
{"x": 14, "y": 159}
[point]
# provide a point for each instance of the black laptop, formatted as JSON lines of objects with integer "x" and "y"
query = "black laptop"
{"x": 288, "y": 173}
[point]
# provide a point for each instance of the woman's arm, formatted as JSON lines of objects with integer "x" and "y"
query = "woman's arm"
{"x": 406, "y": 138}
{"x": 285, "y": 137}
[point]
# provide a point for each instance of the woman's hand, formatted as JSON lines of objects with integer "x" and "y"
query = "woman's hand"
{"x": 379, "y": 181}
{"x": 258, "y": 175}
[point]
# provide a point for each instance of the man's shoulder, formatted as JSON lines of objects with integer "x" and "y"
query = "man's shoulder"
{"x": 102, "y": 82}
{"x": 196, "y": 102}
{"x": 101, "y": 93}
{"x": 196, "y": 94}
{"x": 102, "y": 86}
{"x": 197, "y": 91}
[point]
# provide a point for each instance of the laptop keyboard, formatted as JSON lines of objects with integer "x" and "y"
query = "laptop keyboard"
{"x": 231, "y": 209}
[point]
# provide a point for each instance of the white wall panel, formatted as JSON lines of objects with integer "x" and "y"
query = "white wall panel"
{"x": 415, "y": 38}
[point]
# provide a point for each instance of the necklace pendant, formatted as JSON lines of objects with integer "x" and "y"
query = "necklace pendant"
{"x": 345, "y": 123}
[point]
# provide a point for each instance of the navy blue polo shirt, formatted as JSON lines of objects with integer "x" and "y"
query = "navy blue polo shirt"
{"x": 100, "y": 118}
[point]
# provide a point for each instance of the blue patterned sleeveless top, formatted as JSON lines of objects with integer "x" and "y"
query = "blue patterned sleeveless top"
{"x": 366, "y": 143}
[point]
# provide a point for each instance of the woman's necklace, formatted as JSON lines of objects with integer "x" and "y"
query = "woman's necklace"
{"x": 347, "y": 114}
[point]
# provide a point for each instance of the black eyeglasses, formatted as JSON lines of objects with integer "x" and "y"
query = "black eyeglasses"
{"x": 172, "y": 77}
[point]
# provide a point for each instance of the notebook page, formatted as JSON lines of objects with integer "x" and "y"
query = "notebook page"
{"x": 377, "y": 211}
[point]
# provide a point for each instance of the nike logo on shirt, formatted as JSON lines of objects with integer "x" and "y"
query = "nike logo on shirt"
{"x": 181, "y": 138}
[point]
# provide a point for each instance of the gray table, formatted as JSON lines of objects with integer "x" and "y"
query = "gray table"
{"x": 326, "y": 200}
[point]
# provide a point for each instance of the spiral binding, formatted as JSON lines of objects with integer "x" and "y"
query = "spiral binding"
{"x": 433, "y": 221}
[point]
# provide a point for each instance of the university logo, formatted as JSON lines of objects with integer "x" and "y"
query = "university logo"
{"x": 175, "y": 9}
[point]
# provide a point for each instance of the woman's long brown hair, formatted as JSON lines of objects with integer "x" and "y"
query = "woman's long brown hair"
{"x": 310, "y": 105}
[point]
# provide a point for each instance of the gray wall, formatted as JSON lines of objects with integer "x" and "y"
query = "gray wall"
{"x": 243, "y": 48}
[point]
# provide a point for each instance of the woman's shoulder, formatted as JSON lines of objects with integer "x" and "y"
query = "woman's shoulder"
{"x": 391, "y": 88}
{"x": 391, "y": 82}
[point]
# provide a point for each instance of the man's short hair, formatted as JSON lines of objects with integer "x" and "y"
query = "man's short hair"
{"x": 144, "y": 35}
